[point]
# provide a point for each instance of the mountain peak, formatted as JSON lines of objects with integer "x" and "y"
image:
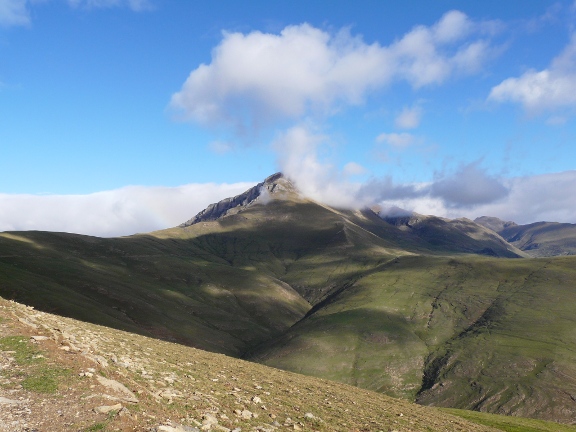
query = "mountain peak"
{"x": 276, "y": 186}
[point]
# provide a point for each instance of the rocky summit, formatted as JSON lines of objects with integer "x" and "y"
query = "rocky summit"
{"x": 274, "y": 186}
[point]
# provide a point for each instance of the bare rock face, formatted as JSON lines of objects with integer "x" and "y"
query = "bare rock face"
{"x": 274, "y": 187}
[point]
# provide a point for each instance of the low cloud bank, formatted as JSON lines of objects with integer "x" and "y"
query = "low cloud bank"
{"x": 545, "y": 197}
{"x": 136, "y": 209}
{"x": 524, "y": 200}
{"x": 119, "y": 212}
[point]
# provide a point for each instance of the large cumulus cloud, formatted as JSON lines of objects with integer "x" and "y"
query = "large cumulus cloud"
{"x": 258, "y": 78}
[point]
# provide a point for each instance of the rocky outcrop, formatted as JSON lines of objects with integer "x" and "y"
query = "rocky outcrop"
{"x": 275, "y": 186}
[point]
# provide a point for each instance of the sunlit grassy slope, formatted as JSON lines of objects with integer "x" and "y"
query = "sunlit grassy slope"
{"x": 469, "y": 332}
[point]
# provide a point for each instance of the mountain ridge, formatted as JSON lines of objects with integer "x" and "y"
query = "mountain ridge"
{"x": 538, "y": 239}
{"x": 433, "y": 230}
{"x": 398, "y": 306}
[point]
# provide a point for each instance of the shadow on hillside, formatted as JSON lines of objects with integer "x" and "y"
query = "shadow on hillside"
{"x": 241, "y": 281}
{"x": 221, "y": 292}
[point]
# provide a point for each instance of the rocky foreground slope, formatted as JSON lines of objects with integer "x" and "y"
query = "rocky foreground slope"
{"x": 58, "y": 374}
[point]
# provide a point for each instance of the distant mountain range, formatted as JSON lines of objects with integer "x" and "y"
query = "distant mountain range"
{"x": 537, "y": 239}
{"x": 452, "y": 313}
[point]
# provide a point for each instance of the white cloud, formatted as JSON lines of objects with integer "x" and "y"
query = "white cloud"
{"x": 353, "y": 168}
{"x": 470, "y": 191}
{"x": 429, "y": 55}
{"x": 453, "y": 26}
{"x": 135, "y": 209}
{"x": 471, "y": 58}
{"x": 258, "y": 78}
{"x": 135, "y": 5}
{"x": 409, "y": 118}
{"x": 397, "y": 140}
{"x": 112, "y": 213}
{"x": 220, "y": 147}
{"x": 548, "y": 89}
{"x": 298, "y": 149}
{"x": 545, "y": 197}
{"x": 14, "y": 13}
{"x": 470, "y": 187}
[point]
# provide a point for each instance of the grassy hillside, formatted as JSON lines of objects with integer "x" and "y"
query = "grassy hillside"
{"x": 59, "y": 374}
{"x": 456, "y": 236}
{"x": 468, "y": 332}
{"x": 176, "y": 290}
{"x": 221, "y": 286}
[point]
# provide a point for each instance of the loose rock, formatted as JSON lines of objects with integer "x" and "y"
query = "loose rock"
{"x": 119, "y": 387}
{"x": 105, "y": 409}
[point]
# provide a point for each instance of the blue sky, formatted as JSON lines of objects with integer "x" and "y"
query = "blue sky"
{"x": 122, "y": 116}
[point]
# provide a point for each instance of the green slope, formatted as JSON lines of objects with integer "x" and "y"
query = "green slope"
{"x": 172, "y": 289}
{"x": 468, "y": 332}
{"x": 224, "y": 285}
